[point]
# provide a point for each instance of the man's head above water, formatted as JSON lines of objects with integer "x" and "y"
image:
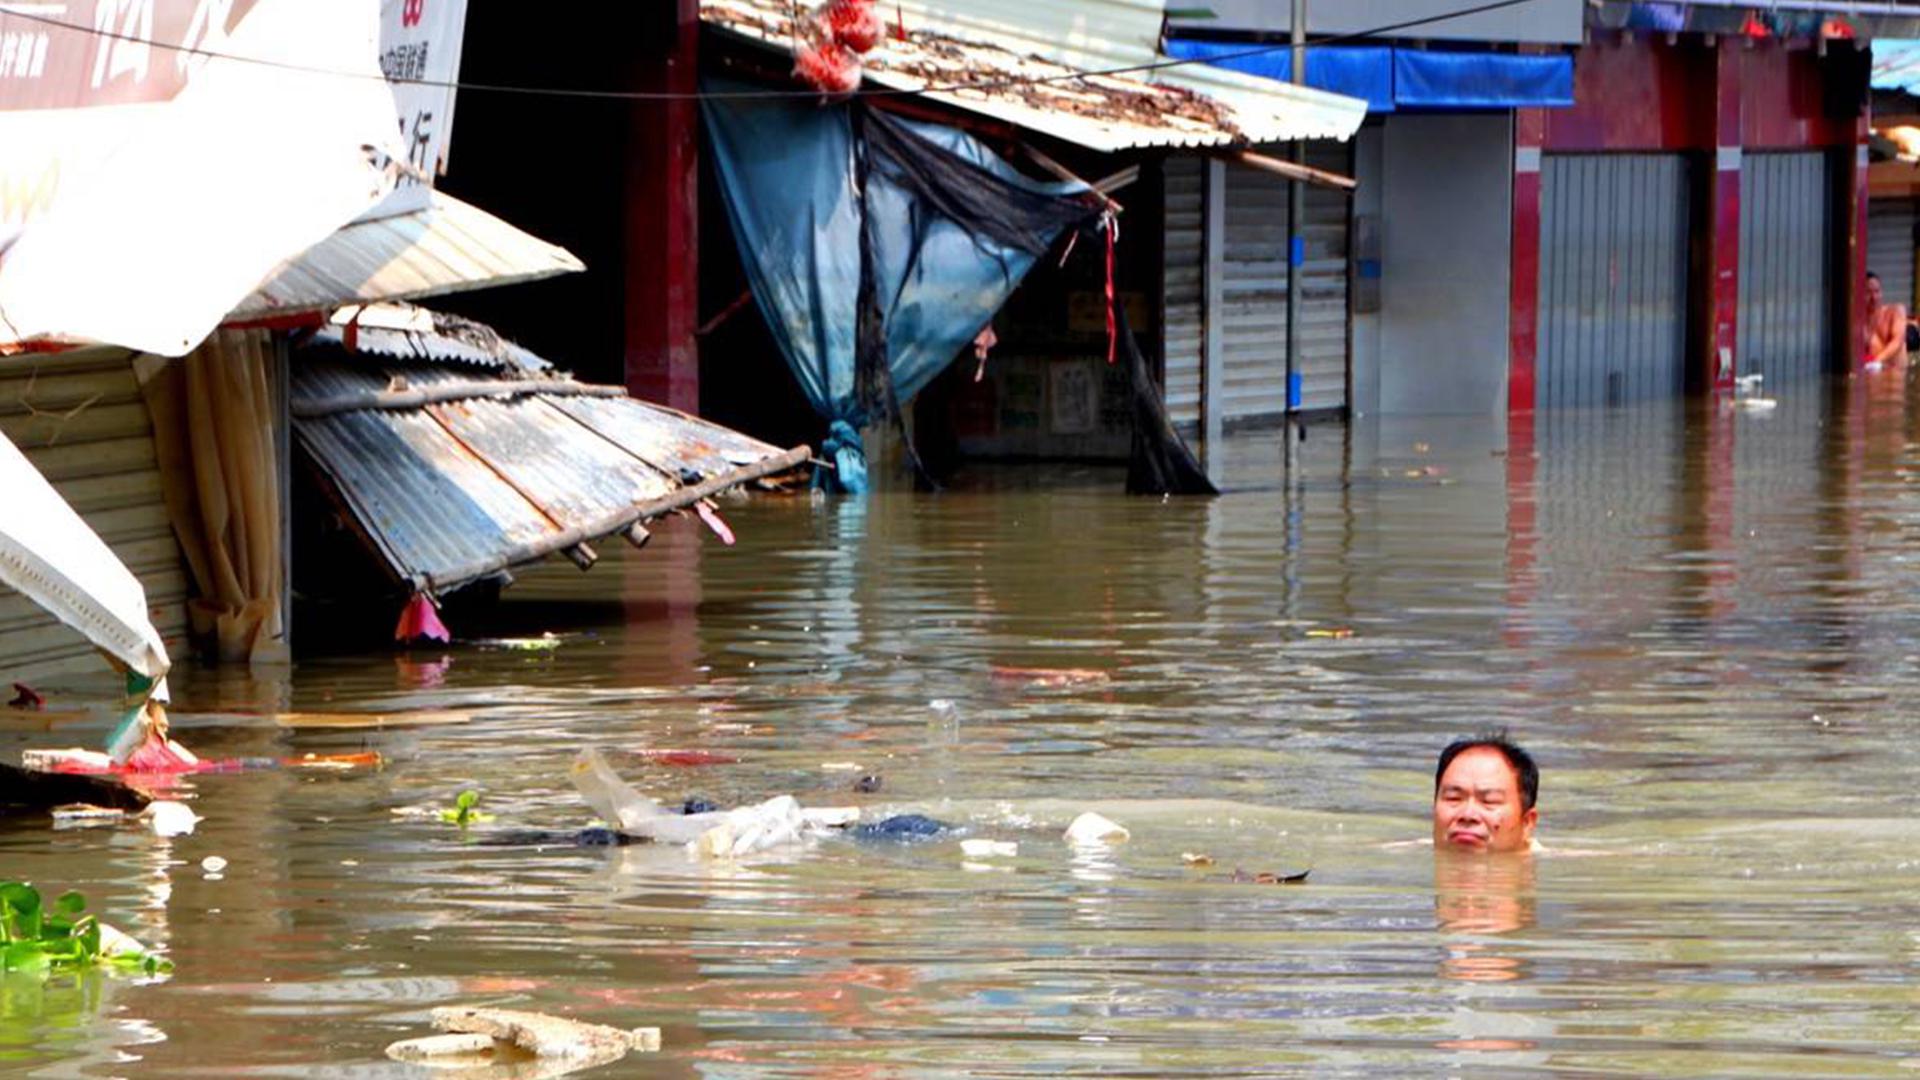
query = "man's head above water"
{"x": 1483, "y": 796}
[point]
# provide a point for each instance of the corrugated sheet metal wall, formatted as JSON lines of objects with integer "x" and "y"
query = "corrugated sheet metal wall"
{"x": 1183, "y": 273}
{"x": 1255, "y": 305}
{"x": 1786, "y": 265}
{"x": 1613, "y": 277}
{"x": 1323, "y": 284}
{"x": 1254, "y": 298}
{"x": 1890, "y": 224}
{"x": 80, "y": 420}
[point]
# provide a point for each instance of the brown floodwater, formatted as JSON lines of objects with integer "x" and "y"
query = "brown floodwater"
{"x": 1705, "y": 624}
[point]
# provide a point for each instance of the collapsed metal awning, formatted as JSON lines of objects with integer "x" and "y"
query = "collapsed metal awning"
{"x": 1021, "y": 61}
{"x": 451, "y": 475}
{"x": 448, "y": 246}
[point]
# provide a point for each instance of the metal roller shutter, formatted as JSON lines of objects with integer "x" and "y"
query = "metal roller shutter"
{"x": 1183, "y": 280}
{"x": 1786, "y": 266}
{"x": 1254, "y": 295}
{"x": 1890, "y": 224}
{"x": 79, "y": 418}
{"x": 1613, "y": 276}
{"x": 1323, "y": 284}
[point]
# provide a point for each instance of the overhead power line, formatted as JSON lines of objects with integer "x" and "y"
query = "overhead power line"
{"x": 648, "y": 95}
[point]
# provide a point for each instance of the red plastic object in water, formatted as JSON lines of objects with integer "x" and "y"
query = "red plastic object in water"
{"x": 1041, "y": 676}
{"x": 159, "y": 754}
{"x": 829, "y": 67}
{"x": 687, "y": 758}
{"x": 419, "y": 621}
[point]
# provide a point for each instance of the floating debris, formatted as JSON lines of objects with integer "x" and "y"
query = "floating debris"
{"x": 1091, "y": 828}
{"x": 481, "y": 1037}
{"x": 1265, "y": 877}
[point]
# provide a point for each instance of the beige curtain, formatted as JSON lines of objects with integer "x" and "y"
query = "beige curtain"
{"x": 213, "y": 413}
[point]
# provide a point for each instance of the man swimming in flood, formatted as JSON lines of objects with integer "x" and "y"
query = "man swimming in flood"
{"x": 1484, "y": 791}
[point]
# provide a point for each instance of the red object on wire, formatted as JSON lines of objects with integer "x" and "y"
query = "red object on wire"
{"x": 1113, "y": 332}
{"x": 829, "y": 67}
{"x": 853, "y": 23}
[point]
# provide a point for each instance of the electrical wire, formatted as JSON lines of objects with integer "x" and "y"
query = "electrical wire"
{"x": 669, "y": 96}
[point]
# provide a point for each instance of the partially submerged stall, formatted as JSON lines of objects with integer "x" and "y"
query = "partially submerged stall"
{"x": 1060, "y": 86}
{"x": 452, "y": 455}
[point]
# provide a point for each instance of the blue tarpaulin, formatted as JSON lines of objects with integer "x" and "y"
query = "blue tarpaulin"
{"x": 1424, "y": 79}
{"x": 1362, "y": 71}
{"x": 790, "y": 175}
{"x": 1391, "y": 78}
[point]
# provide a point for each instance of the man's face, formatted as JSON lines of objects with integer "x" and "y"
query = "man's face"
{"x": 1477, "y": 806}
{"x": 1873, "y": 292}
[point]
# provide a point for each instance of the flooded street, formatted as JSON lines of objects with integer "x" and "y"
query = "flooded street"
{"x": 1703, "y": 624}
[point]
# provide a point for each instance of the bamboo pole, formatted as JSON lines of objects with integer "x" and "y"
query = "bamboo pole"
{"x": 417, "y": 397}
{"x": 1288, "y": 169}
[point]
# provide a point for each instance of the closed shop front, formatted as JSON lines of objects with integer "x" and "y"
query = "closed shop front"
{"x": 1254, "y": 278}
{"x": 79, "y": 418}
{"x": 1890, "y": 225}
{"x": 1323, "y": 283}
{"x": 1253, "y": 295}
{"x": 1613, "y": 278}
{"x": 1786, "y": 265}
{"x": 1183, "y": 284}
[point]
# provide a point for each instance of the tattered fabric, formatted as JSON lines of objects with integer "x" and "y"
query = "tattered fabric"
{"x": 947, "y": 229}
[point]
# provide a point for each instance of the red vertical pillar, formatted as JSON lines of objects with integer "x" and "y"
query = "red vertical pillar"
{"x": 1856, "y": 281}
{"x": 1716, "y": 370}
{"x": 662, "y": 280}
{"x": 1523, "y": 313}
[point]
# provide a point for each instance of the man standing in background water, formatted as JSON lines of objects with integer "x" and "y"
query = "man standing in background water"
{"x": 1886, "y": 328}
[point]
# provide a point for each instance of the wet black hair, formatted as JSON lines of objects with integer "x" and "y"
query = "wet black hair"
{"x": 1871, "y": 276}
{"x": 1520, "y": 761}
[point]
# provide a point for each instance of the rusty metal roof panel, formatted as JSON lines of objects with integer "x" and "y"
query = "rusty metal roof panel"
{"x": 672, "y": 442}
{"x": 450, "y": 246}
{"x": 456, "y": 489}
{"x": 1023, "y": 61}
{"x": 428, "y": 504}
{"x": 575, "y": 476}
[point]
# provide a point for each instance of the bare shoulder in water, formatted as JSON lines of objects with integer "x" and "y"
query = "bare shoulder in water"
{"x": 1535, "y": 848}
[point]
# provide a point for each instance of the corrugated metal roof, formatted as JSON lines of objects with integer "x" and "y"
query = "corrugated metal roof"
{"x": 452, "y": 491}
{"x": 405, "y": 332}
{"x": 448, "y": 247}
{"x": 991, "y": 52}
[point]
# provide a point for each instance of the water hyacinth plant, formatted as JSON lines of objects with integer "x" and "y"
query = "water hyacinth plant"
{"x": 36, "y": 939}
{"x": 463, "y": 812}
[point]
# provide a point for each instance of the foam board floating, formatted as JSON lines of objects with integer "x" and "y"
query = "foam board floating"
{"x": 505, "y": 1038}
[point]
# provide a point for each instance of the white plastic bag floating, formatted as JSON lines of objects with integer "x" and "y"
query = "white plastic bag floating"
{"x": 1090, "y": 829}
{"x": 779, "y": 821}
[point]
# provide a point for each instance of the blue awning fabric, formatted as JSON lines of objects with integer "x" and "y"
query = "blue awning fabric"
{"x": 1459, "y": 80}
{"x": 1389, "y": 78}
{"x": 1362, "y": 71}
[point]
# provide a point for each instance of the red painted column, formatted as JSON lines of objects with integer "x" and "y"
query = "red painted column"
{"x": 1716, "y": 370}
{"x": 662, "y": 281}
{"x": 1523, "y": 310}
{"x": 1855, "y": 285}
